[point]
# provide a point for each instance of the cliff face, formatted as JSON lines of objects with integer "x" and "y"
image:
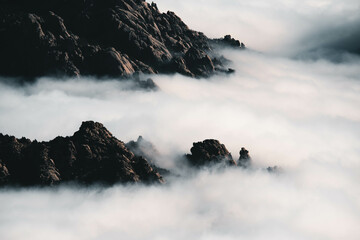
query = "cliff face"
{"x": 91, "y": 155}
{"x": 96, "y": 37}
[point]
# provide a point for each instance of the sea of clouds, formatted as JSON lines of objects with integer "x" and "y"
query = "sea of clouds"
{"x": 281, "y": 27}
{"x": 286, "y": 107}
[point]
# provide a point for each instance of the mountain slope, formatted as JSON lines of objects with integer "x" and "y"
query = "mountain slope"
{"x": 95, "y": 37}
{"x": 91, "y": 155}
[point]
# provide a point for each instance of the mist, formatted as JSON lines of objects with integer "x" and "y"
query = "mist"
{"x": 281, "y": 27}
{"x": 288, "y": 109}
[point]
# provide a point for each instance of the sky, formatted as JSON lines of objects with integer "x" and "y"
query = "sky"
{"x": 292, "y": 102}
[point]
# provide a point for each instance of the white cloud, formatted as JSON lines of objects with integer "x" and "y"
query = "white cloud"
{"x": 282, "y": 27}
{"x": 302, "y": 115}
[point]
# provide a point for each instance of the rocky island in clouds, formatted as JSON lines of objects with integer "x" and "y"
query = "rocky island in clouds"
{"x": 74, "y": 98}
{"x": 93, "y": 156}
{"x": 102, "y": 38}
{"x": 95, "y": 38}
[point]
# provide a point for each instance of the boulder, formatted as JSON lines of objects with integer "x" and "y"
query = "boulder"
{"x": 228, "y": 41}
{"x": 209, "y": 152}
{"x": 244, "y": 159}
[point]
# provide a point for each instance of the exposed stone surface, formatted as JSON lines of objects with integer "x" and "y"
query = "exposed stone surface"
{"x": 94, "y": 155}
{"x": 97, "y": 37}
{"x": 244, "y": 159}
{"x": 227, "y": 40}
{"x": 4, "y": 173}
{"x": 91, "y": 155}
{"x": 209, "y": 152}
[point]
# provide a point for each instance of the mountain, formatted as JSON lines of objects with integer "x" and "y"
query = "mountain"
{"x": 116, "y": 38}
{"x": 94, "y": 155}
{"x": 91, "y": 155}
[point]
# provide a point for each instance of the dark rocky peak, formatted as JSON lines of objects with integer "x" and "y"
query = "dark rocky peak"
{"x": 91, "y": 155}
{"x": 228, "y": 41}
{"x": 209, "y": 152}
{"x": 93, "y": 132}
{"x": 93, "y": 129}
{"x": 103, "y": 38}
{"x": 11, "y": 147}
{"x": 244, "y": 159}
{"x": 245, "y": 162}
{"x": 94, "y": 155}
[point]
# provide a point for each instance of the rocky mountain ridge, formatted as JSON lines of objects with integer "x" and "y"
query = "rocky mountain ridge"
{"x": 116, "y": 38}
{"x": 94, "y": 155}
{"x": 91, "y": 155}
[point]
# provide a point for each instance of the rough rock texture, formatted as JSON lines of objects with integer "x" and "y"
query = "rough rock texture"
{"x": 91, "y": 155}
{"x": 229, "y": 41}
{"x": 244, "y": 159}
{"x": 96, "y": 37}
{"x": 4, "y": 173}
{"x": 209, "y": 152}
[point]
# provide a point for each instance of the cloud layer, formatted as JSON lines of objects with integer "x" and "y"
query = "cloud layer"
{"x": 282, "y": 27}
{"x": 230, "y": 205}
{"x": 274, "y": 106}
{"x": 300, "y": 114}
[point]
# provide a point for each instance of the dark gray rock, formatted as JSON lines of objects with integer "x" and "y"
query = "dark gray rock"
{"x": 4, "y": 173}
{"x": 228, "y": 41}
{"x": 198, "y": 62}
{"x": 96, "y": 37}
{"x": 244, "y": 159}
{"x": 209, "y": 152}
{"x": 91, "y": 155}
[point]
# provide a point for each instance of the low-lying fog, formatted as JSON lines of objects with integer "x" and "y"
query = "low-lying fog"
{"x": 282, "y": 27}
{"x": 297, "y": 113}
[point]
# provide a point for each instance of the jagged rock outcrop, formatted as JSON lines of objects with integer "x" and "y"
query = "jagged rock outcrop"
{"x": 91, "y": 155}
{"x": 104, "y": 38}
{"x": 227, "y": 40}
{"x": 209, "y": 152}
{"x": 244, "y": 159}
